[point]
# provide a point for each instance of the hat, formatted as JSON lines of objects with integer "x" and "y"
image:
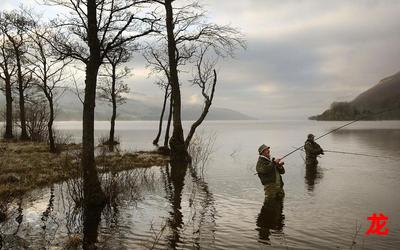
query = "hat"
{"x": 262, "y": 148}
{"x": 310, "y": 136}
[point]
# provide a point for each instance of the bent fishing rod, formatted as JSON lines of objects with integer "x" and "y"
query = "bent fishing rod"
{"x": 336, "y": 129}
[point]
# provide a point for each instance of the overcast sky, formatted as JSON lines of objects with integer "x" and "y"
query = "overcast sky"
{"x": 301, "y": 54}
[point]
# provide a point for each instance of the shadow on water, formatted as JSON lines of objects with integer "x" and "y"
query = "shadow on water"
{"x": 312, "y": 176}
{"x": 270, "y": 219}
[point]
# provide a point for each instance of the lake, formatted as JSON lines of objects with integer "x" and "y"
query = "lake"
{"x": 221, "y": 205}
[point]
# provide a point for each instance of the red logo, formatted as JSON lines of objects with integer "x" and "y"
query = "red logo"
{"x": 377, "y": 224}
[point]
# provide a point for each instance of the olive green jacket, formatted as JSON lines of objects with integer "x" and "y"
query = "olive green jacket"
{"x": 267, "y": 170}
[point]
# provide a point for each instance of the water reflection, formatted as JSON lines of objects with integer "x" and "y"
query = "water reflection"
{"x": 20, "y": 215}
{"x": 200, "y": 212}
{"x": 175, "y": 222}
{"x": 203, "y": 210}
{"x": 270, "y": 219}
{"x": 49, "y": 221}
{"x": 82, "y": 216}
{"x": 120, "y": 188}
{"x": 47, "y": 213}
{"x": 91, "y": 221}
{"x": 63, "y": 218}
{"x": 313, "y": 175}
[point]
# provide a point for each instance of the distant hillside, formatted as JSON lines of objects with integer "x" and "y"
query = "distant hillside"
{"x": 71, "y": 109}
{"x": 383, "y": 96}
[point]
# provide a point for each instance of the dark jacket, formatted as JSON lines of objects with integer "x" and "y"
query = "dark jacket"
{"x": 266, "y": 170}
{"x": 312, "y": 149}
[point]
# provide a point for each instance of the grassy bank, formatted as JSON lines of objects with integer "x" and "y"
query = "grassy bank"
{"x": 25, "y": 166}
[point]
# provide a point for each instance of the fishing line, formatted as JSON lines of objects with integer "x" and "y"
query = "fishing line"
{"x": 336, "y": 129}
{"x": 351, "y": 153}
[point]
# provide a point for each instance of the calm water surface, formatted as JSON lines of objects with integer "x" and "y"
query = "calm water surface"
{"x": 223, "y": 206}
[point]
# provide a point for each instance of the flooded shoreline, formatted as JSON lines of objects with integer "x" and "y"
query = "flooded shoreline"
{"x": 26, "y": 165}
{"x": 221, "y": 205}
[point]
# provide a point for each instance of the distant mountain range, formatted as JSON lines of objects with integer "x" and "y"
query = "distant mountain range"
{"x": 382, "y": 97}
{"x": 70, "y": 108}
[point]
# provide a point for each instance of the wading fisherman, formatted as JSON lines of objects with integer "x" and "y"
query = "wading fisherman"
{"x": 270, "y": 172}
{"x": 312, "y": 149}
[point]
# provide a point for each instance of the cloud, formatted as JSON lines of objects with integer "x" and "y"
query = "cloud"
{"x": 266, "y": 88}
{"x": 316, "y": 52}
{"x": 301, "y": 55}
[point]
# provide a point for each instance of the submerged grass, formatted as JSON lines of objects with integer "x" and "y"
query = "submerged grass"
{"x": 25, "y": 165}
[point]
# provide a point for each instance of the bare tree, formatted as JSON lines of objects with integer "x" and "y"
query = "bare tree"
{"x": 158, "y": 61}
{"x": 93, "y": 29}
{"x": 14, "y": 25}
{"x": 166, "y": 88}
{"x": 205, "y": 78}
{"x": 186, "y": 32}
{"x": 8, "y": 70}
{"x": 112, "y": 88}
{"x": 49, "y": 72}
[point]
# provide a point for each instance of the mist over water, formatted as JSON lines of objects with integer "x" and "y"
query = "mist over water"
{"x": 222, "y": 206}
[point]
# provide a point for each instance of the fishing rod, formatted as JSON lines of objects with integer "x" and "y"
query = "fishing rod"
{"x": 336, "y": 129}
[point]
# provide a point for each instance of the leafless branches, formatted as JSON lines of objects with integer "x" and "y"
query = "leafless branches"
{"x": 119, "y": 22}
{"x": 14, "y": 25}
{"x": 90, "y": 33}
{"x": 111, "y": 87}
{"x": 48, "y": 70}
{"x": 201, "y": 149}
{"x": 37, "y": 117}
{"x": 190, "y": 40}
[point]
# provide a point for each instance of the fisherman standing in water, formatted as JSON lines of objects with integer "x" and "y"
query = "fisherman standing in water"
{"x": 270, "y": 172}
{"x": 312, "y": 149}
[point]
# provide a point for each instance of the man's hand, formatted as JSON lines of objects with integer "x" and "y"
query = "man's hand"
{"x": 278, "y": 161}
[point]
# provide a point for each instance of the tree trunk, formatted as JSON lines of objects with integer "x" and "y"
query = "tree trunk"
{"x": 177, "y": 143}
{"x": 111, "y": 140}
{"x": 50, "y": 125}
{"x": 9, "y": 126}
{"x": 166, "y": 139}
{"x": 93, "y": 193}
{"x": 155, "y": 141}
{"x": 21, "y": 90}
